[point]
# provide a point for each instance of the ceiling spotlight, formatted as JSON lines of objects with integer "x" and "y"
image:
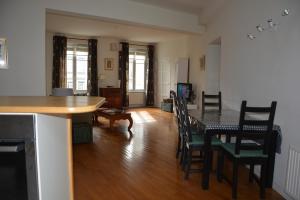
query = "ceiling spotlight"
{"x": 272, "y": 25}
{"x": 260, "y": 28}
{"x": 251, "y": 37}
{"x": 285, "y": 12}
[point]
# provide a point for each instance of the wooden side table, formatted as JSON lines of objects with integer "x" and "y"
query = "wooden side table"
{"x": 113, "y": 115}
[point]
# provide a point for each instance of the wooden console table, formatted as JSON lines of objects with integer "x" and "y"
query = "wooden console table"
{"x": 113, "y": 115}
{"x": 112, "y": 96}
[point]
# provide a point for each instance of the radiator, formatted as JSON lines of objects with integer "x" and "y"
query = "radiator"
{"x": 292, "y": 187}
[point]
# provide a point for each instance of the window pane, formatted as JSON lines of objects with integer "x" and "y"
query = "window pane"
{"x": 81, "y": 70}
{"x": 130, "y": 81}
{"x": 140, "y": 74}
{"x": 140, "y": 57}
{"x": 70, "y": 69}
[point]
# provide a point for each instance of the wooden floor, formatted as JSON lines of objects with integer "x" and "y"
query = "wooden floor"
{"x": 143, "y": 166}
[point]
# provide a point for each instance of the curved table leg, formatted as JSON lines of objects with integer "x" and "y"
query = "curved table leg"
{"x": 111, "y": 123}
{"x": 130, "y": 123}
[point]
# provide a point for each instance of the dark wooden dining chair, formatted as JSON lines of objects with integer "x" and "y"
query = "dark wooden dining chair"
{"x": 211, "y": 102}
{"x": 192, "y": 142}
{"x": 242, "y": 152}
{"x": 194, "y": 129}
{"x": 179, "y": 142}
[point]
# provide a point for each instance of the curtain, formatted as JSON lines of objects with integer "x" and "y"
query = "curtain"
{"x": 123, "y": 72}
{"x": 59, "y": 62}
{"x": 150, "y": 85}
{"x": 92, "y": 68}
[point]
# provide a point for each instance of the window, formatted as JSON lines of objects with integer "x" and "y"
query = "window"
{"x": 137, "y": 70}
{"x": 77, "y": 67}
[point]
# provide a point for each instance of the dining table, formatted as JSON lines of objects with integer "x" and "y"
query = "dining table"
{"x": 226, "y": 123}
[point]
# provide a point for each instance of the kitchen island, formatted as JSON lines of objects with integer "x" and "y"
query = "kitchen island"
{"x": 45, "y": 126}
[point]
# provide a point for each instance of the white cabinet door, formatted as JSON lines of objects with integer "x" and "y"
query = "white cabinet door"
{"x": 182, "y": 70}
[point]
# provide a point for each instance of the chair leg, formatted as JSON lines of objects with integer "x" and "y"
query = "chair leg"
{"x": 211, "y": 159}
{"x": 220, "y": 165}
{"x": 183, "y": 156}
{"x": 188, "y": 164}
{"x": 235, "y": 179}
{"x": 251, "y": 173}
{"x": 179, "y": 147}
{"x": 201, "y": 154}
{"x": 263, "y": 173}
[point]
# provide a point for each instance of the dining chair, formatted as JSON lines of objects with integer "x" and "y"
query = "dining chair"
{"x": 179, "y": 143}
{"x": 242, "y": 152}
{"x": 194, "y": 129}
{"x": 192, "y": 142}
{"x": 211, "y": 102}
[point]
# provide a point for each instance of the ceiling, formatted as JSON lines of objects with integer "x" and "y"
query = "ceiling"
{"x": 85, "y": 26}
{"x": 205, "y": 9}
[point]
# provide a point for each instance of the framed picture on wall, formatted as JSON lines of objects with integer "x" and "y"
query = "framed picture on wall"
{"x": 3, "y": 53}
{"x": 108, "y": 63}
{"x": 202, "y": 63}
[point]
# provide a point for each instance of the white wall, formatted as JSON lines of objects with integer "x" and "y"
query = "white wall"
{"x": 23, "y": 24}
{"x": 111, "y": 77}
{"x": 167, "y": 54}
{"x": 197, "y": 77}
{"x": 264, "y": 69}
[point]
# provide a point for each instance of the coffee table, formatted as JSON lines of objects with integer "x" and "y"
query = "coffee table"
{"x": 113, "y": 115}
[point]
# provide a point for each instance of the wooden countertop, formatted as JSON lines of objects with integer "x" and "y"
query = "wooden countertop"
{"x": 50, "y": 104}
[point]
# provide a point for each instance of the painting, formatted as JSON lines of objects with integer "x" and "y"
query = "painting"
{"x": 3, "y": 53}
{"x": 108, "y": 63}
{"x": 202, "y": 63}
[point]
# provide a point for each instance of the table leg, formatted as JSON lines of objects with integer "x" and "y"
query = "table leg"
{"x": 206, "y": 166}
{"x": 271, "y": 161}
{"x": 111, "y": 123}
{"x": 130, "y": 123}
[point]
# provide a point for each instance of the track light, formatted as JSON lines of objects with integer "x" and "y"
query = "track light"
{"x": 285, "y": 12}
{"x": 260, "y": 28}
{"x": 251, "y": 37}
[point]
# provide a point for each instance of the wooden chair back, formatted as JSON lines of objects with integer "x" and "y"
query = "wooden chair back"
{"x": 257, "y": 129}
{"x": 185, "y": 120}
{"x": 212, "y": 101}
{"x": 174, "y": 96}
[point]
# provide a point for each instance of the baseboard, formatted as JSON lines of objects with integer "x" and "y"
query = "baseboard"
{"x": 277, "y": 187}
{"x": 280, "y": 190}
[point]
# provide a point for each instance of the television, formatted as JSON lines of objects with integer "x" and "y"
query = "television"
{"x": 184, "y": 90}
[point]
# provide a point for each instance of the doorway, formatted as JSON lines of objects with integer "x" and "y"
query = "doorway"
{"x": 213, "y": 66}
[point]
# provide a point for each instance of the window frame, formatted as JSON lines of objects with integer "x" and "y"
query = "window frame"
{"x": 135, "y": 52}
{"x": 75, "y": 47}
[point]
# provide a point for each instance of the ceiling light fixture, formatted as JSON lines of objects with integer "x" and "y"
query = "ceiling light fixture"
{"x": 285, "y": 12}
{"x": 272, "y": 25}
{"x": 251, "y": 36}
{"x": 260, "y": 28}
